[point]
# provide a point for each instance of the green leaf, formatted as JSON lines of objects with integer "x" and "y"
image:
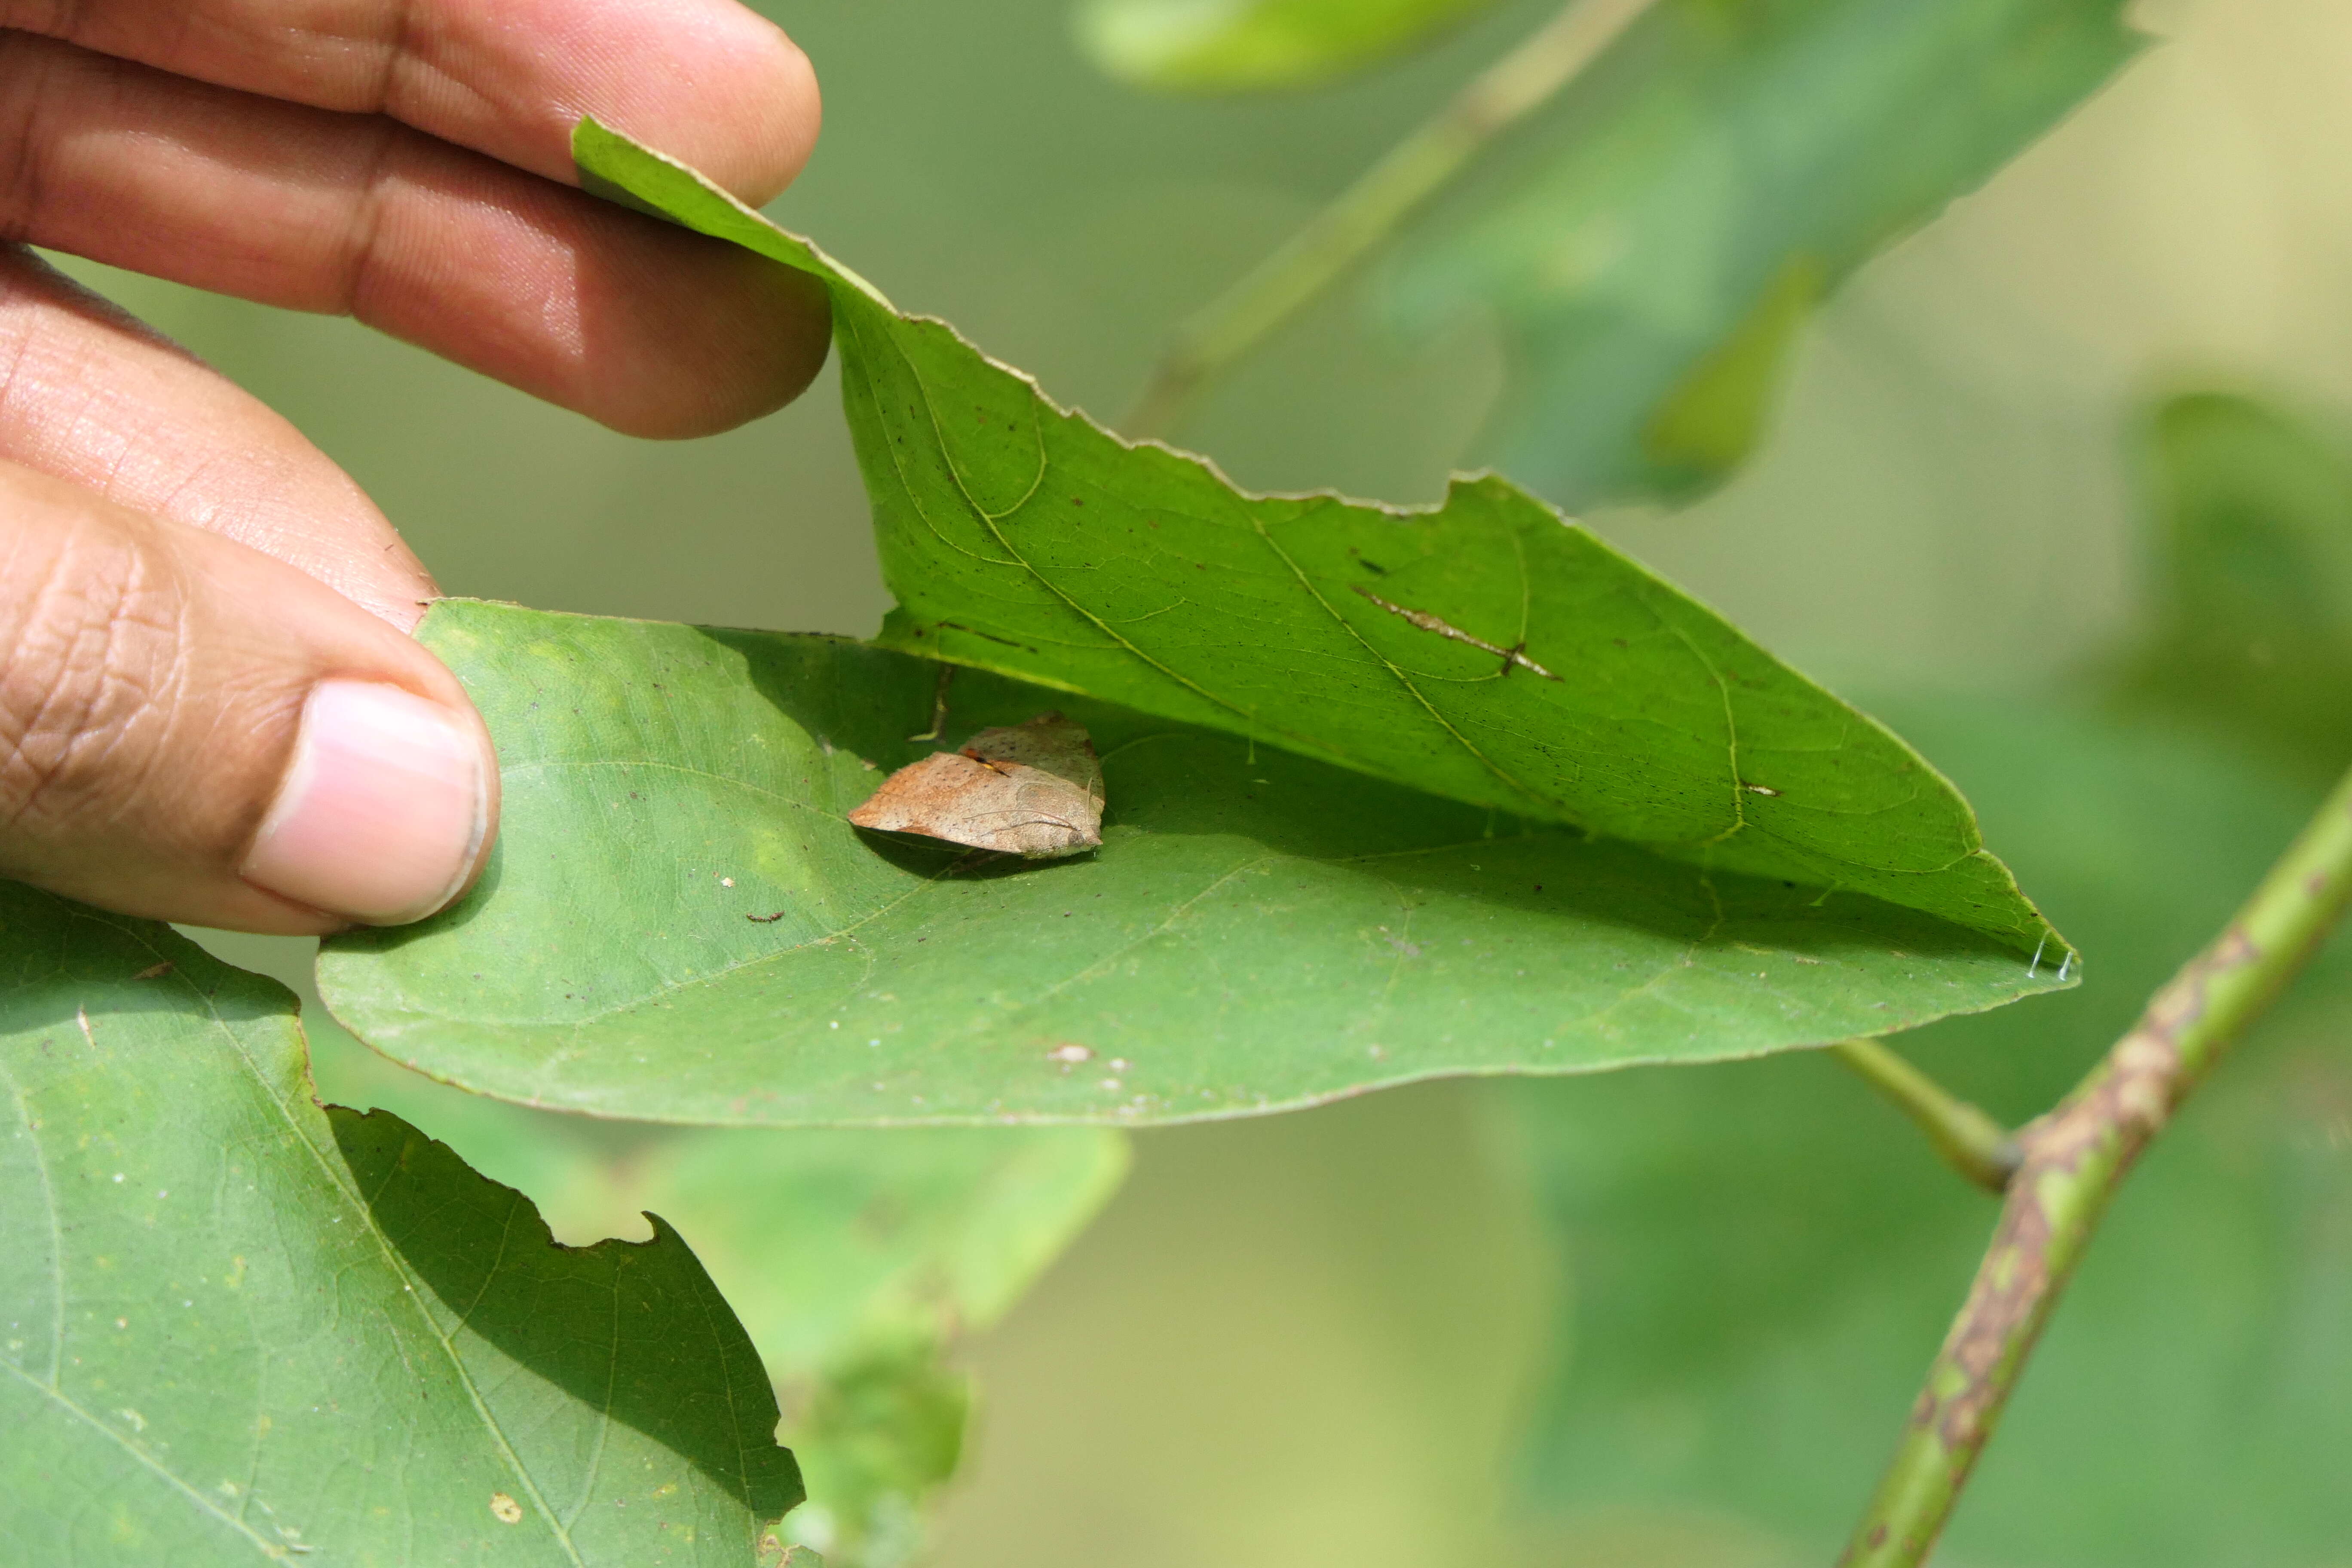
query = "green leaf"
{"x": 839, "y": 1248}
{"x": 2252, "y": 633}
{"x": 239, "y": 1327}
{"x": 1239, "y": 46}
{"x": 887, "y": 1434}
{"x": 679, "y": 925}
{"x": 1764, "y": 1258}
{"x": 1654, "y": 246}
{"x": 857, "y": 1260}
{"x": 1486, "y": 652}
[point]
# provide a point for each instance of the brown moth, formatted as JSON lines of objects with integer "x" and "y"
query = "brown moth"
{"x": 1034, "y": 790}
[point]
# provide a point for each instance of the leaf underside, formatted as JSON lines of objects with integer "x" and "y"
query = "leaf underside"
{"x": 680, "y": 925}
{"x": 240, "y": 1327}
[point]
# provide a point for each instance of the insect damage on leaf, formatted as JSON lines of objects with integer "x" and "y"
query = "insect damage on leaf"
{"x": 1429, "y": 623}
{"x": 1032, "y": 790}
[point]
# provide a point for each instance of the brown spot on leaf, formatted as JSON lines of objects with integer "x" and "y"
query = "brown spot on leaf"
{"x": 1511, "y": 657}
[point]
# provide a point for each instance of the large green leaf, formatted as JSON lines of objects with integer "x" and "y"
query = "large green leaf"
{"x": 679, "y": 924}
{"x": 856, "y": 1261}
{"x": 1020, "y": 537}
{"x": 238, "y": 1327}
{"x": 2251, "y": 632}
{"x": 1654, "y": 247}
{"x": 1763, "y": 1259}
{"x": 1229, "y": 46}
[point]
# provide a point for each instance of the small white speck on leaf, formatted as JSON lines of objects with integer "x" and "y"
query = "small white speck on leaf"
{"x": 1072, "y": 1054}
{"x": 726, "y": 881}
{"x": 505, "y": 1508}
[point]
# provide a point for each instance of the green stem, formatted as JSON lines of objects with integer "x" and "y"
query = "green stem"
{"x": 1972, "y": 1142}
{"x": 2075, "y": 1158}
{"x": 1367, "y": 212}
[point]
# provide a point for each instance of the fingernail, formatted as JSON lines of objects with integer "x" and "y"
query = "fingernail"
{"x": 383, "y": 809}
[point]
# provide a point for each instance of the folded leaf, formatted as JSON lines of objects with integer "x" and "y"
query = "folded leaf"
{"x": 1652, "y": 246}
{"x": 679, "y": 924}
{"x": 1487, "y": 651}
{"x": 239, "y": 1327}
{"x": 1235, "y": 45}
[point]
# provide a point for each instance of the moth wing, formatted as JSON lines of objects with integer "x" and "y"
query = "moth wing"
{"x": 1051, "y": 744}
{"x": 1009, "y": 807}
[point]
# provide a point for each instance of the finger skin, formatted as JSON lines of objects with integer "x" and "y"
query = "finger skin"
{"x": 705, "y": 81}
{"x": 644, "y": 327}
{"x": 89, "y": 396}
{"x": 152, "y": 679}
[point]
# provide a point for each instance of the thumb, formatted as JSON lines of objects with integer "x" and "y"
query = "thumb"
{"x": 192, "y": 730}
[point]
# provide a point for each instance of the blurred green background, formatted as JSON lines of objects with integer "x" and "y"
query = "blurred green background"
{"x": 1655, "y": 1318}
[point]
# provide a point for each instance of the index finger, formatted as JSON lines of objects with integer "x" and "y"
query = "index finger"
{"x": 706, "y": 81}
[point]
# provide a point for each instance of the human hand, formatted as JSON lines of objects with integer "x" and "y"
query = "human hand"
{"x": 209, "y": 708}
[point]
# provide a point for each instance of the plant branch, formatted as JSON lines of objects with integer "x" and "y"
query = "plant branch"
{"x": 2075, "y": 1158}
{"x": 1970, "y": 1142}
{"x": 1368, "y": 211}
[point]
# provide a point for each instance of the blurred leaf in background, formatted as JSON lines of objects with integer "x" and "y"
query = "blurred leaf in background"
{"x": 1763, "y": 1259}
{"x": 857, "y": 1261}
{"x": 1654, "y": 244}
{"x": 1240, "y": 46}
{"x": 2250, "y": 631}
{"x": 242, "y": 1327}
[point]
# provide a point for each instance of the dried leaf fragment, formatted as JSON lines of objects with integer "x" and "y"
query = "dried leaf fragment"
{"x": 1032, "y": 790}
